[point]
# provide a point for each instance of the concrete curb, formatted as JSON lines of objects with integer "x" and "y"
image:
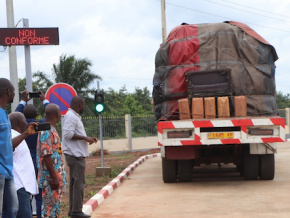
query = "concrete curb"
{"x": 107, "y": 190}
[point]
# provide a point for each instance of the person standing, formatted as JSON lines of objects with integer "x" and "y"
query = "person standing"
{"x": 75, "y": 148}
{"x": 23, "y": 169}
{"x": 8, "y": 197}
{"x": 51, "y": 170}
{"x": 30, "y": 114}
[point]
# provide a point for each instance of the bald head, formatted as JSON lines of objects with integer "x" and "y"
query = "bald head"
{"x": 18, "y": 121}
{"x": 30, "y": 112}
{"x": 52, "y": 111}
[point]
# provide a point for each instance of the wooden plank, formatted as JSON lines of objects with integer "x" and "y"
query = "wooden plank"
{"x": 183, "y": 106}
{"x": 209, "y": 107}
{"x": 197, "y": 108}
{"x": 240, "y": 106}
{"x": 223, "y": 107}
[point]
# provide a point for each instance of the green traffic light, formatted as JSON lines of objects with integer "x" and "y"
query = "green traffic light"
{"x": 99, "y": 108}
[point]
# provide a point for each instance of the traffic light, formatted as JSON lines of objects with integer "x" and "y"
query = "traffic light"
{"x": 99, "y": 102}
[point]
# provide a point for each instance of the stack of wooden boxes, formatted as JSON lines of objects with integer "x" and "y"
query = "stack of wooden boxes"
{"x": 211, "y": 107}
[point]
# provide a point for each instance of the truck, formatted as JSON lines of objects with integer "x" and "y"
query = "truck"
{"x": 214, "y": 96}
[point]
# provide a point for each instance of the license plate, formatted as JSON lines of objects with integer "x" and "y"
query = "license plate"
{"x": 220, "y": 135}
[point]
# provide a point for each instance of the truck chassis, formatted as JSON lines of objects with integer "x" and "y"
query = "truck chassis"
{"x": 249, "y": 143}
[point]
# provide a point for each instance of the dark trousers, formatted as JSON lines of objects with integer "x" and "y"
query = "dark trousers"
{"x": 24, "y": 209}
{"x": 38, "y": 197}
{"x": 77, "y": 166}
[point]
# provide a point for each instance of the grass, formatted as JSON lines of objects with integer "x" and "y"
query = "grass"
{"x": 123, "y": 157}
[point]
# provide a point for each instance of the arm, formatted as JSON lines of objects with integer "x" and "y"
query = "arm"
{"x": 20, "y": 107}
{"x": 90, "y": 140}
{"x": 68, "y": 131}
{"x": 54, "y": 181}
{"x": 23, "y": 102}
{"x": 30, "y": 131}
{"x": 42, "y": 98}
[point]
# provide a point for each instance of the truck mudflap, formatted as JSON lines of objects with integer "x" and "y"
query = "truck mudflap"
{"x": 221, "y": 131}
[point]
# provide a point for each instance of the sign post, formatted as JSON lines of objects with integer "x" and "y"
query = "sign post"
{"x": 101, "y": 130}
{"x": 27, "y": 62}
{"x": 100, "y": 171}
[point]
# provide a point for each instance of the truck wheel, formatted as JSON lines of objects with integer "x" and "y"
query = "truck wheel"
{"x": 250, "y": 169}
{"x": 239, "y": 168}
{"x": 169, "y": 170}
{"x": 184, "y": 170}
{"x": 267, "y": 166}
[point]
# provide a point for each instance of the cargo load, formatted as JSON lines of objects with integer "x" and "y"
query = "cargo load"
{"x": 231, "y": 47}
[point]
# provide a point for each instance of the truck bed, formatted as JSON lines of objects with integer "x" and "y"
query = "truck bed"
{"x": 221, "y": 131}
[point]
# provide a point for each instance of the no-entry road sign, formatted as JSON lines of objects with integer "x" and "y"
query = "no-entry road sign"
{"x": 61, "y": 94}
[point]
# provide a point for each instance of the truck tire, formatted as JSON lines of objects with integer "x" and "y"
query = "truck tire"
{"x": 169, "y": 171}
{"x": 239, "y": 168}
{"x": 250, "y": 167}
{"x": 184, "y": 170}
{"x": 267, "y": 166}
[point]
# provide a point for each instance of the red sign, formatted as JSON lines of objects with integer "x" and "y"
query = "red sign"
{"x": 29, "y": 36}
{"x": 61, "y": 94}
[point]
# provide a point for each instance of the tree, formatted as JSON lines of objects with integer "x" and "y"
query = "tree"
{"x": 131, "y": 106}
{"x": 42, "y": 82}
{"x": 143, "y": 98}
{"x": 114, "y": 102}
{"x": 283, "y": 101}
{"x": 121, "y": 103}
{"x": 75, "y": 72}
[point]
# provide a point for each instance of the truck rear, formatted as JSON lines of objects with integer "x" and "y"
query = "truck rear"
{"x": 214, "y": 97}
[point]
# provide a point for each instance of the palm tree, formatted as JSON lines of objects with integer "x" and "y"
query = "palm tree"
{"x": 75, "y": 72}
{"x": 43, "y": 82}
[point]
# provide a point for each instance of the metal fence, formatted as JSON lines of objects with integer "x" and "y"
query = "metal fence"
{"x": 282, "y": 113}
{"x": 114, "y": 127}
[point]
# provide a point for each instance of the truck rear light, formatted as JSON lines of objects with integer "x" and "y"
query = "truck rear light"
{"x": 179, "y": 134}
{"x": 261, "y": 132}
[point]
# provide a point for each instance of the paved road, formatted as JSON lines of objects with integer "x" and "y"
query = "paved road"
{"x": 213, "y": 192}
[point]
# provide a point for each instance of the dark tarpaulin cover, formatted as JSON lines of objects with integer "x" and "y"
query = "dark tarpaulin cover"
{"x": 215, "y": 46}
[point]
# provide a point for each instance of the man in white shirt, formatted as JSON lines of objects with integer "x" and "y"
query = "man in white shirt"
{"x": 23, "y": 168}
{"x": 75, "y": 148}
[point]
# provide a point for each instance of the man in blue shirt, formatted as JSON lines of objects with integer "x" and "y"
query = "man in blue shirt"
{"x": 8, "y": 196}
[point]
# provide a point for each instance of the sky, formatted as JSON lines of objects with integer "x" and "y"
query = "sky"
{"x": 121, "y": 37}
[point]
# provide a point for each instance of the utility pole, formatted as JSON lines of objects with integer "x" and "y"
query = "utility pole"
{"x": 12, "y": 55}
{"x": 163, "y": 20}
{"x": 28, "y": 62}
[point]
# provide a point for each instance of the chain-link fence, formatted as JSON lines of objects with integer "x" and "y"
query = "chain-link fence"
{"x": 282, "y": 113}
{"x": 114, "y": 127}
